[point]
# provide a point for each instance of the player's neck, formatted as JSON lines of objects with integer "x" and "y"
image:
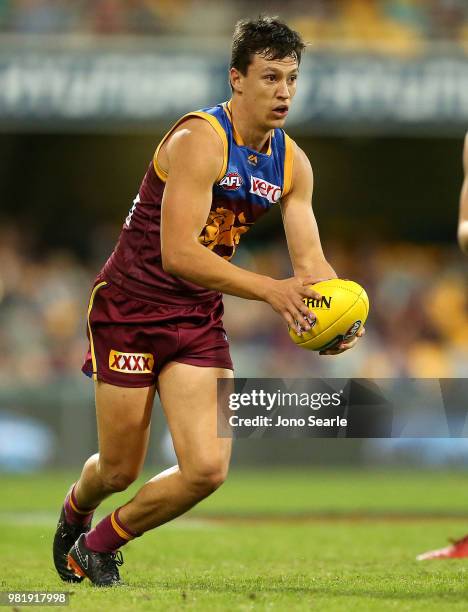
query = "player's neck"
{"x": 251, "y": 136}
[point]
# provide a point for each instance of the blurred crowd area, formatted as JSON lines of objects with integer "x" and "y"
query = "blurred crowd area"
{"x": 417, "y": 327}
{"x": 394, "y": 24}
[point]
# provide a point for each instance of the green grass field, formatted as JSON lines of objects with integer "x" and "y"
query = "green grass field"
{"x": 278, "y": 540}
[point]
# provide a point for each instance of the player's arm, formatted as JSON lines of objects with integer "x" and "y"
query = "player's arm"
{"x": 463, "y": 220}
{"x": 195, "y": 158}
{"x": 302, "y": 233}
{"x": 300, "y": 226}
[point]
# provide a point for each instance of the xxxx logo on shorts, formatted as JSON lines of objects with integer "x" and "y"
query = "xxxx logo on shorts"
{"x": 131, "y": 363}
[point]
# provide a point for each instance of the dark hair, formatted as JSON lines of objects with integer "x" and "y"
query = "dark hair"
{"x": 268, "y": 36}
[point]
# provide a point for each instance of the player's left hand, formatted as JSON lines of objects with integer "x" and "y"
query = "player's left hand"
{"x": 344, "y": 346}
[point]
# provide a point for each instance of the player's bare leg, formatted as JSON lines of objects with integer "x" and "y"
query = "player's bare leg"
{"x": 189, "y": 398}
{"x": 123, "y": 420}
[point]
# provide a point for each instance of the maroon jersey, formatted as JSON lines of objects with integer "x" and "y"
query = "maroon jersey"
{"x": 249, "y": 184}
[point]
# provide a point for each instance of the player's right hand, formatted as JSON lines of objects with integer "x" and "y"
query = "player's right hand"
{"x": 285, "y": 297}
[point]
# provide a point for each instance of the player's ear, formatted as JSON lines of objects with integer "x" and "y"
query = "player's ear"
{"x": 235, "y": 78}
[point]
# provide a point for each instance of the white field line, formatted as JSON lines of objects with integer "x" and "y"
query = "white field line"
{"x": 49, "y": 519}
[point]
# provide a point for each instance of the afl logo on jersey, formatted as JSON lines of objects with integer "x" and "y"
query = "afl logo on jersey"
{"x": 264, "y": 189}
{"x": 232, "y": 181}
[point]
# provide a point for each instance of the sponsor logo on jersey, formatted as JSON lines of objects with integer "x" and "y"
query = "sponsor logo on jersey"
{"x": 232, "y": 181}
{"x": 252, "y": 159}
{"x": 131, "y": 363}
{"x": 264, "y": 189}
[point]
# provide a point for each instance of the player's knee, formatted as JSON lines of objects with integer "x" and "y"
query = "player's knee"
{"x": 117, "y": 480}
{"x": 207, "y": 477}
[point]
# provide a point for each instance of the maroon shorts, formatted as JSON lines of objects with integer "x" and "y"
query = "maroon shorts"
{"x": 130, "y": 339}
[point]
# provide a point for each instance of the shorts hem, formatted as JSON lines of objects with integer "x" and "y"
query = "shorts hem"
{"x": 205, "y": 363}
{"x": 120, "y": 383}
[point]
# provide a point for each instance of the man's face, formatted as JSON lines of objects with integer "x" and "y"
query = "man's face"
{"x": 267, "y": 89}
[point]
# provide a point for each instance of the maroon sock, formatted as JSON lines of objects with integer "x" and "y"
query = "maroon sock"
{"x": 74, "y": 513}
{"x": 109, "y": 535}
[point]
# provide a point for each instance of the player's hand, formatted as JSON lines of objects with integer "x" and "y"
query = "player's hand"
{"x": 285, "y": 297}
{"x": 344, "y": 346}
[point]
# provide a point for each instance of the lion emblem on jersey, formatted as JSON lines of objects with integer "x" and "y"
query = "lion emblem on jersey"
{"x": 223, "y": 230}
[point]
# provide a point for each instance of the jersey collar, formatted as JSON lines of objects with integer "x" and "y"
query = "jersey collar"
{"x": 237, "y": 137}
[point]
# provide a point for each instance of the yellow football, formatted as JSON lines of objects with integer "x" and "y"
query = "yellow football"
{"x": 341, "y": 313}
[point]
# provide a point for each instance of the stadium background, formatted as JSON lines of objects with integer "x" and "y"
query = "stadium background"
{"x": 87, "y": 89}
